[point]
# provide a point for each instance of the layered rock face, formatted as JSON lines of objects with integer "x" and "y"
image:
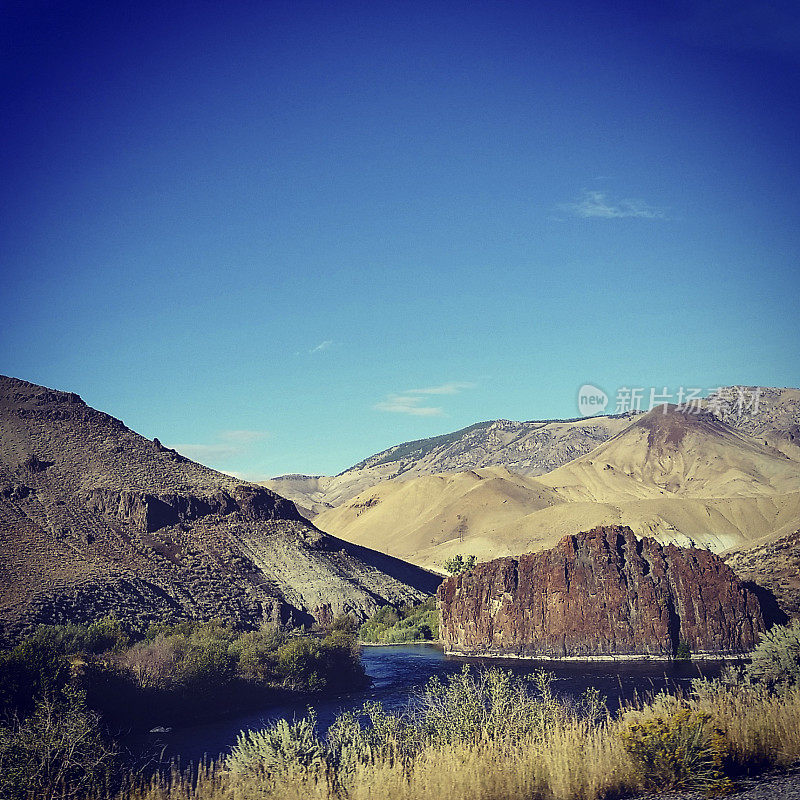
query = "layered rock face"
{"x": 94, "y": 518}
{"x": 600, "y": 593}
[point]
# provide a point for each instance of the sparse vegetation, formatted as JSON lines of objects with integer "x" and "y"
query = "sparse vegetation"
{"x": 490, "y": 735}
{"x": 776, "y": 659}
{"x": 410, "y": 624}
{"x": 459, "y": 563}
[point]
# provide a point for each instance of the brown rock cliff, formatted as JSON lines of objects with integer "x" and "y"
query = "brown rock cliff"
{"x": 599, "y": 593}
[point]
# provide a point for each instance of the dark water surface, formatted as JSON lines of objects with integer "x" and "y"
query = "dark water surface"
{"x": 398, "y": 671}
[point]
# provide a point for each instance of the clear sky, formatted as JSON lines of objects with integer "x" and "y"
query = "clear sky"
{"x": 284, "y": 236}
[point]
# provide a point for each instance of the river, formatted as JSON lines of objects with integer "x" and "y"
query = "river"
{"x": 397, "y": 671}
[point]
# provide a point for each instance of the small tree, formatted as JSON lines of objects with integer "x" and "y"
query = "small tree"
{"x": 459, "y": 563}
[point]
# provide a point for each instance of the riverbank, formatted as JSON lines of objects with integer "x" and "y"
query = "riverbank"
{"x": 434, "y": 642}
{"x": 492, "y": 735}
{"x": 636, "y": 659}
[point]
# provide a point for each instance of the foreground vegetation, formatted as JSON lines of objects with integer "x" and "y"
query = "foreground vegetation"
{"x": 488, "y": 735}
{"x": 409, "y": 624}
{"x": 63, "y": 688}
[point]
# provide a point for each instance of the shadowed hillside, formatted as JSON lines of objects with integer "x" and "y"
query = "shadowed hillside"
{"x": 94, "y": 517}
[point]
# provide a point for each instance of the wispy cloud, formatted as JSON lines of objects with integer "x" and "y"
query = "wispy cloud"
{"x": 324, "y": 345}
{"x": 412, "y": 401}
{"x": 408, "y": 404}
{"x": 227, "y": 444}
{"x": 598, "y": 205}
{"x": 445, "y": 388}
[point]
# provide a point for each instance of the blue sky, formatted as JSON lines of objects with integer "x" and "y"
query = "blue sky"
{"x": 286, "y": 236}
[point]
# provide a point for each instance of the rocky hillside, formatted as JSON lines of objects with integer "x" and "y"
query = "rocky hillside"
{"x": 537, "y": 447}
{"x": 604, "y": 593}
{"x": 94, "y": 517}
{"x": 526, "y": 448}
{"x": 775, "y": 566}
{"x": 686, "y": 478}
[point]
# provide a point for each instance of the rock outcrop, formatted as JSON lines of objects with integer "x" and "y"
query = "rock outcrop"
{"x": 603, "y": 593}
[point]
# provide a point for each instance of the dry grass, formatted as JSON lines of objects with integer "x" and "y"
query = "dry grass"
{"x": 573, "y": 759}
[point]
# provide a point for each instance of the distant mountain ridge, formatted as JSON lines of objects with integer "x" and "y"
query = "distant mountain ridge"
{"x": 535, "y": 447}
{"x": 680, "y": 477}
{"x": 527, "y": 448}
{"x": 94, "y": 517}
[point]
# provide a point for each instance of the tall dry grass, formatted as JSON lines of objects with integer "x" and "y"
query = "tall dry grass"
{"x": 571, "y": 757}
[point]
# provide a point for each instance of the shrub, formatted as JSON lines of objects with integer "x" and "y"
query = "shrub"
{"x": 199, "y": 658}
{"x": 680, "y": 751}
{"x": 776, "y": 659}
{"x": 459, "y": 563}
{"x": 683, "y": 652}
{"x": 254, "y": 653}
{"x": 33, "y": 669}
{"x": 105, "y": 634}
{"x": 260, "y": 759}
{"x": 57, "y": 752}
{"x": 488, "y": 706}
{"x": 409, "y": 624}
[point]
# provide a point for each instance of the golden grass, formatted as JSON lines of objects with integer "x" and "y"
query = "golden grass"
{"x": 573, "y": 759}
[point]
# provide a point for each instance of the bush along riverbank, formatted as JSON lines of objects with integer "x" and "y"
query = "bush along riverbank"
{"x": 66, "y": 687}
{"x": 492, "y": 735}
{"x": 473, "y": 735}
{"x": 410, "y": 624}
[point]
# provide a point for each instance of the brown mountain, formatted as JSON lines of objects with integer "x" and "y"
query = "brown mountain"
{"x": 686, "y": 478}
{"x": 775, "y": 565}
{"x": 94, "y": 517}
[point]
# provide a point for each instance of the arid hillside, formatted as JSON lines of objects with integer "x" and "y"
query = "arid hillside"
{"x": 94, "y": 517}
{"x": 525, "y": 448}
{"x": 769, "y": 415}
{"x": 680, "y": 477}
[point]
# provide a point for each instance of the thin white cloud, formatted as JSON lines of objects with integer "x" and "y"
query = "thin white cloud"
{"x": 411, "y": 400}
{"x": 598, "y": 205}
{"x": 229, "y": 444}
{"x": 243, "y": 436}
{"x": 453, "y": 387}
{"x": 324, "y": 345}
{"x": 408, "y": 404}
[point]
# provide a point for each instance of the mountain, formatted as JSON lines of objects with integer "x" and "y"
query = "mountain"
{"x": 526, "y": 448}
{"x": 775, "y": 565}
{"x": 535, "y": 448}
{"x": 680, "y": 477}
{"x": 774, "y": 419}
{"x": 94, "y": 517}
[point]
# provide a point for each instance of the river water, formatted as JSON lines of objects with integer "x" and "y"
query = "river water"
{"x": 398, "y": 671}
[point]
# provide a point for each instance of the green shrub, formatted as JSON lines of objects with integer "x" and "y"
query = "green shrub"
{"x": 489, "y": 705}
{"x": 681, "y": 751}
{"x": 56, "y": 752}
{"x": 410, "y": 624}
{"x": 776, "y": 659}
{"x": 300, "y": 664}
{"x": 105, "y": 634}
{"x": 32, "y": 670}
{"x": 255, "y": 655}
{"x": 459, "y": 563}
{"x": 683, "y": 652}
{"x": 282, "y": 751}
